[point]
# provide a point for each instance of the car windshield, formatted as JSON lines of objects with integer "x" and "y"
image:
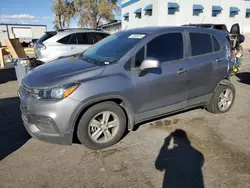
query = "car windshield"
{"x": 111, "y": 48}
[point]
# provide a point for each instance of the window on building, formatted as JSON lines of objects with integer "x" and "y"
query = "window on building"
{"x": 167, "y": 47}
{"x": 248, "y": 13}
{"x": 216, "y": 10}
{"x": 126, "y": 17}
{"x": 197, "y": 43}
{"x": 234, "y": 11}
{"x": 148, "y": 10}
{"x": 138, "y": 13}
{"x": 197, "y": 10}
{"x": 216, "y": 44}
{"x": 173, "y": 8}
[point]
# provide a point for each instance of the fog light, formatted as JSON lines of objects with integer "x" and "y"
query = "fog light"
{"x": 44, "y": 124}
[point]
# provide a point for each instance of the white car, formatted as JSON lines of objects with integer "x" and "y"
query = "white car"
{"x": 55, "y": 44}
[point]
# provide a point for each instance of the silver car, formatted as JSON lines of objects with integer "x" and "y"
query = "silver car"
{"x": 125, "y": 79}
{"x": 55, "y": 44}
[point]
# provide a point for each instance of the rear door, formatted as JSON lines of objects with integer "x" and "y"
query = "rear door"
{"x": 200, "y": 67}
{"x": 67, "y": 46}
{"x": 84, "y": 41}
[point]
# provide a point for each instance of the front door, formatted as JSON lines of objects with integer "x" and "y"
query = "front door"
{"x": 161, "y": 90}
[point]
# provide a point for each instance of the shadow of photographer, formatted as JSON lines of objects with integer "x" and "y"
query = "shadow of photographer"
{"x": 181, "y": 162}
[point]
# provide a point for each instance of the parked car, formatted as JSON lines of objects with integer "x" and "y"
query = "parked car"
{"x": 55, "y": 44}
{"x": 125, "y": 79}
{"x": 234, "y": 34}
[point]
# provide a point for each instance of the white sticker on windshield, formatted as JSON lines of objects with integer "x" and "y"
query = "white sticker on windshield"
{"x": 106, "y": 63}
{"x": 136, "y": 36}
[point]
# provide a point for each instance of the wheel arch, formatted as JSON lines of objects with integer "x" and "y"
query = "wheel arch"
{"x": 83, "y": 107}
{"x": 225, "y": 82}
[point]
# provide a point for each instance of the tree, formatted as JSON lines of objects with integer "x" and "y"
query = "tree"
{"x": 64, "y": 11}
{"x": 93, "y": 12}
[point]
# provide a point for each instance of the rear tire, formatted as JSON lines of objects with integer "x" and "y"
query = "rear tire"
{"x": 102, "y": 125}
{"x": 220, "y": 102}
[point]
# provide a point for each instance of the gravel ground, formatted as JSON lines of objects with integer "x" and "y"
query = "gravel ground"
{"x": 190, "y": 149}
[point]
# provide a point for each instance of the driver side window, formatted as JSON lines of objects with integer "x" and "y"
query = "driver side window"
{"x": 139, "y": 57}
{"x": 165, "y": 48}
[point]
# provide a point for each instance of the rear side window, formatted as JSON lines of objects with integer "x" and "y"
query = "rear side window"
{"x": 216, "y": 44}
{"x": 201, "y": 43}
{"x": 46, "y": 36}
{"x": 72, "y": 39}
{"x": 167, "y": 47}
{"x": 64, "y": 40}
{"x": 98, "y": 36}
{"x": 84, "y": 38}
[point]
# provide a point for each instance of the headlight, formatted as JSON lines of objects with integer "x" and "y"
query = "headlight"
{"x": 56, "y": 93}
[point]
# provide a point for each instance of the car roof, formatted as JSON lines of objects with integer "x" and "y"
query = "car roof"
{"x": 79, "y": 30}
{"x": 205, "y": 24}
{"x": 151, "y": 30}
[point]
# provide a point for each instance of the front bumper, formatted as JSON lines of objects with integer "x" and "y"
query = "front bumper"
{"x": 48, "y": 121}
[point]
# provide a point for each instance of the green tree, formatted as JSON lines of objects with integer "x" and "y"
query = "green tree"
{"x": 92, "y": 13}
{"x": 64, "y": 11}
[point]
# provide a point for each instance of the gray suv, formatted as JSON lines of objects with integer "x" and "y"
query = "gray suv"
{"x": 56, "y": 44}
{"x": 125, "y": 79}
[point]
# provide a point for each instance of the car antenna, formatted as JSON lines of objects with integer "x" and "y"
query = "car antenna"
{"x": 203, "y": 19}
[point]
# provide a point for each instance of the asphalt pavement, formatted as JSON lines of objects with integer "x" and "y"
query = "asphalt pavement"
{"x": 193, "y": 149}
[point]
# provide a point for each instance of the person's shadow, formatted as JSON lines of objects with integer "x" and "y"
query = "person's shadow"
{"x": 181, "y": 162}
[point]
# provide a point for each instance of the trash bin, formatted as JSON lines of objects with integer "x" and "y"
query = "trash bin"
{"x": 22, "y": 67}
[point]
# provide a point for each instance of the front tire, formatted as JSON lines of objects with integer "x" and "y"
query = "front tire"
{"x": 102, "y": 125}
{"x": 222, "y": 100}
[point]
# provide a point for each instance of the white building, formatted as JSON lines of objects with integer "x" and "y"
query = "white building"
{"x": 141, "y": 13}
{"x": 25, "y": 32}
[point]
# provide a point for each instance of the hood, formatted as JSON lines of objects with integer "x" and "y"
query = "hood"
{"x": 63, "y": 71}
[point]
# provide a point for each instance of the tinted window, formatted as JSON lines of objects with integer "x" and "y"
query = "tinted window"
{"x": 167, "y": 47}
{"x": 216, "y": 44}
{"x": 84, "y": 38}
{"x": 200, "y": 43}
{"x": 97, "y": 37}
{"x": 140, "y": 56}
{"x": 64, "y": 40}
{"x": 46, "y": 36}
{"x": 72, "y": 39}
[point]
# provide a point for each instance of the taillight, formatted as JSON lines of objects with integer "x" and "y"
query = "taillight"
{"x": 41, "y": 46}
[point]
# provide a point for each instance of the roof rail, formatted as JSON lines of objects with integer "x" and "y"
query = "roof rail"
{"x": 70, "y": 29}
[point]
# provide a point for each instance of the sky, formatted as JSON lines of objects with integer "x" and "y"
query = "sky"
{"x": 29, "y": 12}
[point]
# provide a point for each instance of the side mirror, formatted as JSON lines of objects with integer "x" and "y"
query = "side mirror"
{"x": 150, "y": 63}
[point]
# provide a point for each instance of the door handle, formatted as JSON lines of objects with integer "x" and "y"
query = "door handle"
{"x": 182, "y": 70}
{"x": 72, "y": 47}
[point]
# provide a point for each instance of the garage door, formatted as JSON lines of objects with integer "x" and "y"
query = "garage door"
{"x": 22, "y": 32}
